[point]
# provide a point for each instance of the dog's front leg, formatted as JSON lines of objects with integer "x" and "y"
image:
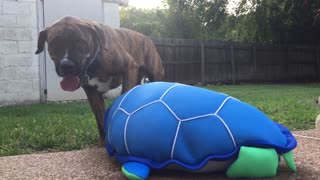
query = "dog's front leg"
{"x": 96, "y": 102}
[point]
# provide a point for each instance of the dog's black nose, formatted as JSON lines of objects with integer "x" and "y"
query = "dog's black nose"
{"x": 67, "y": 66}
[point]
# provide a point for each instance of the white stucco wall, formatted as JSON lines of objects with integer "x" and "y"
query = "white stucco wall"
{"x": 111, "y": 14}
{"x": 19, "y": 67}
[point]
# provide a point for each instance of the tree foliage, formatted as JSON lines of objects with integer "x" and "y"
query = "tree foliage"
{"x": 280, "y": 21}
{"x": 181, "y": 19}
{"x": 196, "y": 18}
{"x": 148, "y": 22}
{"x": 261, "y": 21}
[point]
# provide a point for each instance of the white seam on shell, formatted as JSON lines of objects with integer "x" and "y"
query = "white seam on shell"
{"x": 175, "y": 140}
{"x": 222, "y": 104}
{"x": 127, "y": 95}
{"x": 229, "y": 131}
{"x": 119, "y": 108}
{"x": 174, "y": 114}
{"x": 125, "y": 134}
{"x": 197, "y": 117}
{"x": 141, "y": 107}
{"x": 169, "y": 89}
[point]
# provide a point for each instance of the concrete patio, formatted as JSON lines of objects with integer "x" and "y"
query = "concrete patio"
{"x": 95, "y": 164}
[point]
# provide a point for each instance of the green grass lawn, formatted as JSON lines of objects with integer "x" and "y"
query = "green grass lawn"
{"x": 293, "y": 105}
{"x": 69, "y": 126}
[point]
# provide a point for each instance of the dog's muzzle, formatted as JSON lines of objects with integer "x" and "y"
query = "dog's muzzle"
{"x": 67, "y": 67}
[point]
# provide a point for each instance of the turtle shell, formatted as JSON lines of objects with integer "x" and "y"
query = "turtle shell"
{"x": 162, "y": 123}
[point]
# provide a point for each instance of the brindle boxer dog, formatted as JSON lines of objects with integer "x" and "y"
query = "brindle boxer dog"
{"x": 99, "y": 58}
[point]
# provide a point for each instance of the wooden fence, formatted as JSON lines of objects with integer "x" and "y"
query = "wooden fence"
{"x": 192, "y": 61}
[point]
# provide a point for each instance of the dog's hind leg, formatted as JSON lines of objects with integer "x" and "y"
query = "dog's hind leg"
{"x": 154, "y": 68}
{"x": 130, "y": 75}
{"x": 143, "y": 76}
{"x": 96, "y": 102}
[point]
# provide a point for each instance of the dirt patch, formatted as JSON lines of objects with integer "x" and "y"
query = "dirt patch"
{"x": 94, "y": 164}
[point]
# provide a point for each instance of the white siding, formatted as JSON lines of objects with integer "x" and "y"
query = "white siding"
{"x": 19, "y": 67}
{"x": 111, "y": 14}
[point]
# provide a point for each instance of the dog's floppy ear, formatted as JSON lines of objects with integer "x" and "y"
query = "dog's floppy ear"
{"x": 41, "y": 41}
{"x": 98, "y": 35}
{"x": 100, "y": 39}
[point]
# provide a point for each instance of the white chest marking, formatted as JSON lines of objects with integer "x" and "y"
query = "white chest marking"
{"x": 66, "y": 54}
{"x": 101, "y": 86}
{"x": 104, "y": 87}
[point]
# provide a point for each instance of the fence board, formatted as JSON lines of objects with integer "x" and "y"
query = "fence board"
{"x": 193, "y": 61}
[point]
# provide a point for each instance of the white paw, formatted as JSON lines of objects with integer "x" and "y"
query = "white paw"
{"x": 144, "y": 80}
{"x": 113, "y": 93}
{"x": 318, "y": 122}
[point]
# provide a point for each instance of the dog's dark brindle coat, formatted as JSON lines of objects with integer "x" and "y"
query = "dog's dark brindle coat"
{"x": 99, "y": 58}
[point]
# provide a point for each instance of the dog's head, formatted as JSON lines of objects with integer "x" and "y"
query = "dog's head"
{"x": 72, "y": 42}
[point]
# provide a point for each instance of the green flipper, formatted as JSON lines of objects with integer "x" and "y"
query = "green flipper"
{"x": 288, "y": 157}
{"x": 254, "y": 162}
{"x": 135, "y": 170}
{"x": 130, "y": 175}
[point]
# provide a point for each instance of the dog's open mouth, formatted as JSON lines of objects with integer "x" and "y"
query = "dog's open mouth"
{"x": 70, "y": 83}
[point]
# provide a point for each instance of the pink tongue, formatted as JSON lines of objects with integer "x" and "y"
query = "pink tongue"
{"x": 70, "y": 83}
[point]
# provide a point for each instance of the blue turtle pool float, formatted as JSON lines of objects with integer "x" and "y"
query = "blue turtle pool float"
{"x": 170, "y": 125}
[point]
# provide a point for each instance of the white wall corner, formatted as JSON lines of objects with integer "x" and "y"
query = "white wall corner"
{"x": 120, "y": 2}
{"x": 111, "y": 15}
{"x": 19, "y": 68}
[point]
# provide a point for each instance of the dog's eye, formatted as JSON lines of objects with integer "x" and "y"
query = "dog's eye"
{"x": 81, "y": 47}
{"x": 53, "y": 56}
{"x": 56, "y": 47}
